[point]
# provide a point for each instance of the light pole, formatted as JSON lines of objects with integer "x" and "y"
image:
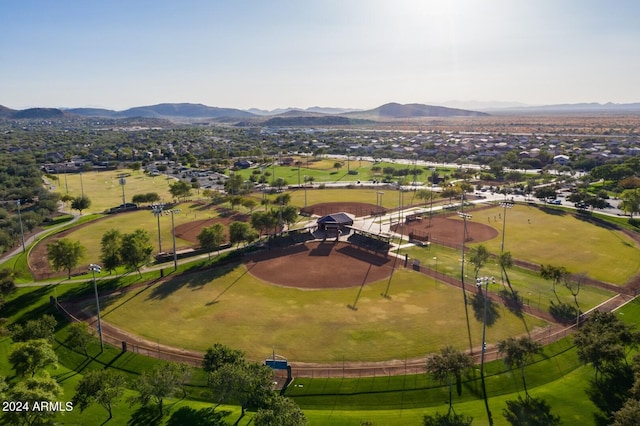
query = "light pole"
{"x": 464, "y": 217}
{"x": 96, "y": 268}
{"x": 436, "y": 277}
{"x": 505, "y": 205}
{"x": 81, "y": 185}
{"x": 484, "y": 281}
{"x": 173, "y": 232}
{"x": 305, "y": 190}
{"x": 157, "y": 212}
{"x": 123, "y": 182}
{"x": 24, "y": 250}
{"x": 379, "y": 194}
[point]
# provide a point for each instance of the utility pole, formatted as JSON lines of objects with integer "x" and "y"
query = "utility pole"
{"x": 97, "y": 268}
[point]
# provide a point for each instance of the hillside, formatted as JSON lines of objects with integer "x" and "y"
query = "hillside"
{"x": 408, "y": 111}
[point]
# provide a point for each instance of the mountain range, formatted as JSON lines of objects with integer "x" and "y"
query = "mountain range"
{"x": 188, "y": 112}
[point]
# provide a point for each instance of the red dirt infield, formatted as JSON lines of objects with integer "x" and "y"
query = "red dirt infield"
{"x": 447, "y": 230}
{"x": 320, "y": 265}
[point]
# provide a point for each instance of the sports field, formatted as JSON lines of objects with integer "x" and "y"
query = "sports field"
{"x": 545, "y": 236}
{"x": 105, "y": 191}
{"x": 233, "y": 307}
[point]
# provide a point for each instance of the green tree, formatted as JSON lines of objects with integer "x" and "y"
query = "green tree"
{"x": 447, "y": 366}
{"x": 519, "y": 353}
{"x": 505, "y": 260}
{"x": 449, "y": 419}
{"x": 233, "y": 185}
{"x": 282, "y": 199}
{"x": 424, "y": 194}
{"x": 110, "y": 248}
{"x": 79, "y": 336}
{"x": 35, "y": 390}
{"x": 280, "y": 183}
{"x": 603, "y": 340}
{"x": 80, "y": 203}
{"x": 289, "y": 214}
{"x": 555, "y": 274}
{"x": 136, "y": 249}
{"x": 531, "y": 412}
{"x": 263, "y": 221}
{"x": 249, "y": 203}
{"x": 162, "y": 381}
{"x": 102, "y": 387}
{"x": 234, "y": 200}
{"x": 337, "y": 165}
{"x": 545, "y": 192}
{"x": 30, "y": 356}
{"x": 628, "y": 415}
{"x": 211, "y": 238}
{"x": 239, "y": 232}
{"x": 250, "y": 384}
{"x": 478, "y": 258}
{"x": 3, "y": 388}
{"x": 65, "y": 254}
{"x": 41, "y": 328}
{"x": 281, "y": 411}
{"x": 450, "y": 192}
{"x": 630, "y": 201}
{"x": 7, "y": 284}
{"x": 218, "y": 355}
{"x": 180, "y": 189}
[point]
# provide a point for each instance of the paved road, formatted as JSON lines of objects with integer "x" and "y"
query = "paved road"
{"x": 34, "y": 237}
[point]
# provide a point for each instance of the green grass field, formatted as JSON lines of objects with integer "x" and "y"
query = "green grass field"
{"x": 546, "y": 236}
{"x": 420, "y": 317}
{"x": 534, "y": 290}
{"x": 323, "y": 170}
{"x": 127, "y": 222}
{"x": 556, "y": 376}
{"x": 104, "y": 190}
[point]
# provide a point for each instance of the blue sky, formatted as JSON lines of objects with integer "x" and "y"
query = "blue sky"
{"x": 301, "y": 53}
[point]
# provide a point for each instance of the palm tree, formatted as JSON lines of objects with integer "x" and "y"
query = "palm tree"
{"x": 505, "y": 260}
{"x": 478, "y": 257}
{"x": 518, "y": 353}
{"x": 556, "y": 274}
{"x": 450, "y": 363}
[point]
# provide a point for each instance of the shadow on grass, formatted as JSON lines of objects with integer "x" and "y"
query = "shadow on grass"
{"x": 145, "y": 416}
{"x": 478, "y": 304}
{"x": 17, "y": 306}
{"x": 216, "y": 299}
{"x": 586, "y": 216}
{"x": 192, "y": 417}
{"x": 552, "y": 211}
{"x": 192, "y": 280}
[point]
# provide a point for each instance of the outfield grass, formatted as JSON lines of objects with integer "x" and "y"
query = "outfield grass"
{"x": 322, "y": 170}
{"x": 90, "y": 236}
{"x": 104, "y": 190}
{"x": 234, "y": 308}
{"x": 556, "y": 377}
{"x": 355, "y": 195}
{"x": 534, "y": 290}
{"x": 547, "y": 236}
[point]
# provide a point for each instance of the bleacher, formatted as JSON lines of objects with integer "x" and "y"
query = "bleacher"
{"x": 289, "y": 238}
{"x": 369, "y": 243}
